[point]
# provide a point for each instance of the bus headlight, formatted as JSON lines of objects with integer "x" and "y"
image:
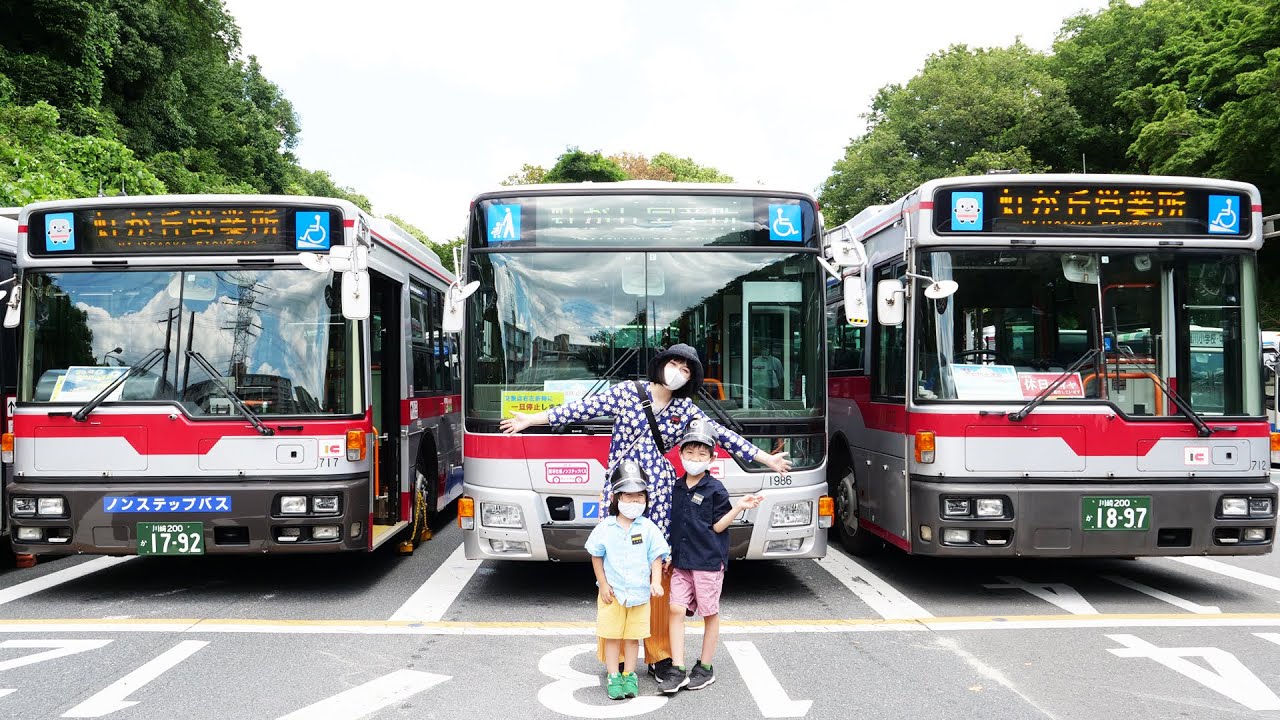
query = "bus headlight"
{"x": 792, "y": 514}
{"x": 1235, "y": 507}
{"x": 293, "y": 504}
{"x": 501, "y": 515}
{"x": 51, "y": 506}
{"x": 24, "y": 506}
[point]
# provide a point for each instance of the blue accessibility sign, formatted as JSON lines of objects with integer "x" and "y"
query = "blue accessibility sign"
{"x": 785, "y": 223}
{"x": 590, "y": 509}
{"x": 311, "y": 231}
{"x": 1224, "y": 214}
{"x": 504, "y": 223}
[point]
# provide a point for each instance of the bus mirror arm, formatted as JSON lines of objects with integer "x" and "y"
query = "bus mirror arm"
{"x": 13, "y": 310}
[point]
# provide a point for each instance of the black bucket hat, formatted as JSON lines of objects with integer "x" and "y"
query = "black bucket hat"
{"x": 683, "y": 352}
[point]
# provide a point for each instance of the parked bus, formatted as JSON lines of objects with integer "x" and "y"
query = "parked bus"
{"x": 1060, "y": 365}
{"x": 8, "y": 352}
{"x": 227, "y": 374}
{"x": 578, "y": 286}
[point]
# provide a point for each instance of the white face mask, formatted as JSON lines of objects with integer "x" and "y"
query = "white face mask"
{"x": 631, "y": 510}
{"x": 696, "y": 467}
{"x": 675, "y": 379}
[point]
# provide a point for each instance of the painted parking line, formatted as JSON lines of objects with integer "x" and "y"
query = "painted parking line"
{"x": 1239, "y": 573}
{"x": 1164, "y": 596}
{"x": 370, "y": 697}
{"x": 431, "y": 601}
{"x": 54, "y": 579}
{"x": 231, "y": 626}
{"x": 879, "y": 595}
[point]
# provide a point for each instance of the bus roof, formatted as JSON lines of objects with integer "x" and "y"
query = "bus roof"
{"x": 195, "y": 199}
{"x": 625, "y": 187}
{"x": 404, "y": 241}
{"x": 8, "y": 232}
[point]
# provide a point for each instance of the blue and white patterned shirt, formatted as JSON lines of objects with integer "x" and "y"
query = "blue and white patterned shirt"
{"x": 628, "y": 556}
{"x": 633, "y": 440}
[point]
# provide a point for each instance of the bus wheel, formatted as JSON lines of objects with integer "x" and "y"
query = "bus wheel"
{"x": 852, "y": 537}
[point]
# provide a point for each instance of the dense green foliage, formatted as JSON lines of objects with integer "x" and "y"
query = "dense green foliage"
{"x": 578, "y": 166}
{"x": 140, "y": 96}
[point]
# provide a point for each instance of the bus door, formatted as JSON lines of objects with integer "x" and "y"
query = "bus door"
{"x": 883, "y": 494}
{"x": 771, "y": 316}
{"x": 386, "y": 351}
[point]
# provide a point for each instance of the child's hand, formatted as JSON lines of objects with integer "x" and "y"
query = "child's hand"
{"x": 666, "y": 565}
{"x": 749, "y": 502}
{"x": 655, "y": 589}
{"x": 606, "y": 594}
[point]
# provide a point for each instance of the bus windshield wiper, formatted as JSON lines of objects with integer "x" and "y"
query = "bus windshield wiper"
{"x": 596, "y": 386}
{"x": 1202, "y": 429}
{"x": 216, "y": 377}
{"x": 721, "y": 414}
{"x": 135, "y": 369}
{"x": 1048, "y": 390}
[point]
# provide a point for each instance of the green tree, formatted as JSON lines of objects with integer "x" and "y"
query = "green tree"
{"x": 578, "y": 166}
{"x": 445, "y": 252}
{"x": 321, "y": 184}
{"x": 528, "y": 175}
{"x": 967, "y": 111}
{"x": 686, "y": 170}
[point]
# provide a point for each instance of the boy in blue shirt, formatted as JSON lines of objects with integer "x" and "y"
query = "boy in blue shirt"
{"x": 627, "y": 552}
{"x": 700, "y": 517}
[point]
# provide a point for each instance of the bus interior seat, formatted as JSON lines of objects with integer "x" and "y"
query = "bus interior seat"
{"x": 44, "y": 388}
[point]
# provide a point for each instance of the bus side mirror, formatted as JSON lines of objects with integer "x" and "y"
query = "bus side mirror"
{"x": 855, "y": 301}
{"x": 13, "y": 311}
{"x": 891, "y": 302}
{"x": 355, "y": 294}
{"x": 453, "y": 306}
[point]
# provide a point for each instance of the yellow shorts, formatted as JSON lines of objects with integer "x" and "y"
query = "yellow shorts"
{"x": 616, "y": 621}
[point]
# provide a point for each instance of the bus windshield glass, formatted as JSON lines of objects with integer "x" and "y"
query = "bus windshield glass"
{"x": 276, "y": 338}
{"x": 547, "y": 328}
{"x": 1020, "y": 318}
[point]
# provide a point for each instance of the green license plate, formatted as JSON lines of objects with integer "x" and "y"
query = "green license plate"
{"x": 1116, "y": 512}
{"x": 170, "y": 538}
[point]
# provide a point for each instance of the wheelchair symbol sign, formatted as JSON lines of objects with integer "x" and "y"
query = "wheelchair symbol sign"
{"x": 311, "y": 231}
{"x": 785, "y": 223}
{"x": 1224, "y": 214}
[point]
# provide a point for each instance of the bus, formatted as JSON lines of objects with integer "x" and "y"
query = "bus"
{"x": 575, "y": 287}
{"x": 227, "y": 374}
{"x": 1059, "y": 366}
{"x": 8, "y": 348}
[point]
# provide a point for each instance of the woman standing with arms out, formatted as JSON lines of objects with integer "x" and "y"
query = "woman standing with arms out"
{"x": 675, "y": 374}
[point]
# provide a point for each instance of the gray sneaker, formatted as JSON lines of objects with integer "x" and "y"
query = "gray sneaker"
{"x": 672, "y": 679}
{"x": 660, "y": 668}
{"x": 700, "y": 676}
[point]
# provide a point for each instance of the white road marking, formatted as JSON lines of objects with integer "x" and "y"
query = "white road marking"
{"x": 54, "y": 579}
{"x": 6, "y": 692}
{"x": 1239, "y": 573}
{"x": 1270, "y": 637}
{"x": 1060, "y": 594}
{"x": 61, "y": 648}
{"x": 112, "y": 698}
{"x": 989, "y": 672}
{"x": 1164, "y": 596}
{"x": 370, "y": 697}
{"x": 765, "y": 688}
{"x": 430, "y": 602}
{"x": 560, "y": 697}
{"x": 1228, "y": 677}
{"x": 870, "y": 588}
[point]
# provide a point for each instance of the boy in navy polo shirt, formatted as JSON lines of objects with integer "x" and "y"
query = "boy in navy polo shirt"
{"x": 700, "y": 517}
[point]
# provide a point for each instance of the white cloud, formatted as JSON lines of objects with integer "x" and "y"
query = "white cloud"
{"x": 422, "y": 105}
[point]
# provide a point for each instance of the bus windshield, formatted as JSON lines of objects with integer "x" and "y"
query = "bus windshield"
{"x": 547, "y": 328}
{"x": 1020, "y": 318}
{"x": 276, "y": 338}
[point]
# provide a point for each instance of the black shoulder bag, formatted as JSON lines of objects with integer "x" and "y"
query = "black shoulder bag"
{"x": 647, "y": 404}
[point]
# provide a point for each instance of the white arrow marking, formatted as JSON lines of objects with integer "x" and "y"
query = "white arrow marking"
{"x": 430, "y": 602}
{"x": 765, "y": 688}
{"x": 559, "y": 695}
{"x": 62, "y": 648}
{"x": 112, "y": 698}
{"x": 30, "y": 587}
{"x": 1229, "y": 676}
{"x": 879, "y": 595}
{"x": 370, "y": 697}
{"x": 1060, "y": 594}
{"x": 1162, "y": 595}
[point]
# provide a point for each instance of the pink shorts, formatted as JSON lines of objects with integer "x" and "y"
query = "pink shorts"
{"x": 697, "y": 590}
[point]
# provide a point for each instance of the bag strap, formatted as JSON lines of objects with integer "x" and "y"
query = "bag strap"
{"x": 647, "y": 404}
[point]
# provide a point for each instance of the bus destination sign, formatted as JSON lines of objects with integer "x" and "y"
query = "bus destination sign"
{"x": 1057, "y": 209}
{"x": 182, "y": 229}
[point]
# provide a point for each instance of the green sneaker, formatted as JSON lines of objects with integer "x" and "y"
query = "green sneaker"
{"x": 616, "y": 687}
{"x": 630, "y": 685}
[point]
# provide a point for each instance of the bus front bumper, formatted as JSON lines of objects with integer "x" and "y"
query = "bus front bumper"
{"x": 1050, "y": 519}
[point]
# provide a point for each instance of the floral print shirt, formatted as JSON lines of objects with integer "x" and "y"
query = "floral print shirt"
{"x": 632, "y": 439}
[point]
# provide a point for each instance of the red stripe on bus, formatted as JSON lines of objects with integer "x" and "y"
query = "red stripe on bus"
{"x": 536, "y": 447}
{"x": 909, "y": 210}
{"x": 406, "y": 507}
{"x": 349, "y": 222}
{"x": 405, "y": 254}
{"x": 885, "y": 534}
{"x": 926, "y": 204}
{"x": 1256, "y": 208}
{"x": 156, "y": 434}
{"x": 428, "y": 407}
{"x": 22, "y": 228}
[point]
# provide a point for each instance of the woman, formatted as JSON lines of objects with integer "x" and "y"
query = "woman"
{"x": 675, "y": 374}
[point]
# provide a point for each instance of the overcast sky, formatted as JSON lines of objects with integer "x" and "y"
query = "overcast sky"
{"x": 421, "y": 104}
